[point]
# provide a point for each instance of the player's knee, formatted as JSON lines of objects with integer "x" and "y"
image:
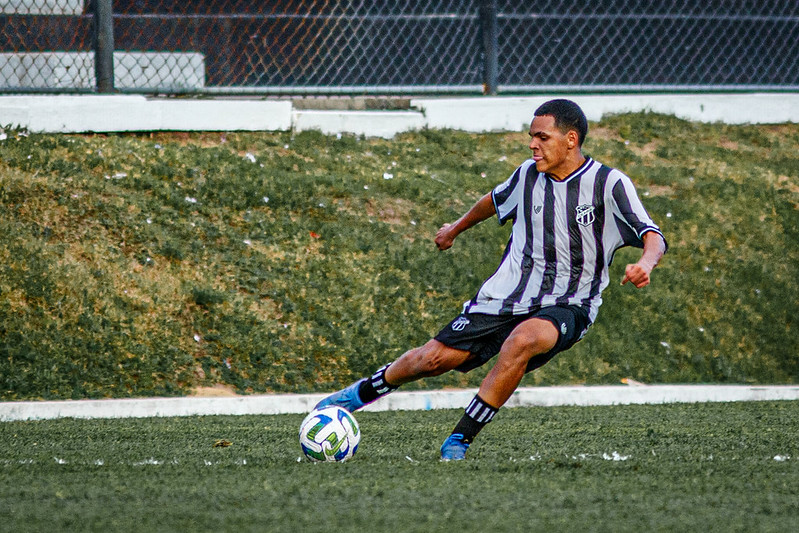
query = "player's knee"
{"x": 523, "y": 346}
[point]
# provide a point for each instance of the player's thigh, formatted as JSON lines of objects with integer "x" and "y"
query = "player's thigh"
{"x": 532, "y": 337}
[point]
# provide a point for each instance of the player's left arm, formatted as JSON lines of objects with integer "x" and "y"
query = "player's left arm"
{"x": 638, "y": 273}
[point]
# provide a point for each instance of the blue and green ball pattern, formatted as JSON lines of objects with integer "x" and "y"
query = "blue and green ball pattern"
{"x": 330, "y": 434}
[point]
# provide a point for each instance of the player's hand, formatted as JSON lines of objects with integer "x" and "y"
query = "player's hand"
{"x": 636, "y": 274}
{"x": 445, "y": 237}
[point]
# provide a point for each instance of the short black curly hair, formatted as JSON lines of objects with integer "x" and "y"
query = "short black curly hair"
{"x": 568, "y": 116}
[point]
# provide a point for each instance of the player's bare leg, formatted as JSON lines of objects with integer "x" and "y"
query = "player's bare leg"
{"x": 530, "y": 338}
{"x": 432, "y": 359}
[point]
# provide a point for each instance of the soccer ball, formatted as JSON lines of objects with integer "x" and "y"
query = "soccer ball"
{"x": 329, "y": 434}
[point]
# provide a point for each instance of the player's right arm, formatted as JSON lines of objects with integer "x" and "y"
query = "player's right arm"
{"x": 482, "y": 210}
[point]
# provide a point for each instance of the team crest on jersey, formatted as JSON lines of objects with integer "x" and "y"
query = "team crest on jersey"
{"x": 460, "y": 323}
{"x": 585, "y": 214}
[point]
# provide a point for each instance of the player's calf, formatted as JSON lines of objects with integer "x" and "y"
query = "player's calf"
{"x": 431, "y": 359}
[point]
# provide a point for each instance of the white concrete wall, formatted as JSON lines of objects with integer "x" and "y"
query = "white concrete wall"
{"x": 515, "y": 113}
{"x": 78, "y": 114}
{"x": 384, "y": 124}
{"x": 101, "y": 113}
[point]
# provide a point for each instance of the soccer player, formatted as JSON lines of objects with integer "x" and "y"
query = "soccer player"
{"x": 570, "y": 214}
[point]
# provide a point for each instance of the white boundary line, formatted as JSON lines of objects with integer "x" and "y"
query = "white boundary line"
{"x": 415, "y": 400}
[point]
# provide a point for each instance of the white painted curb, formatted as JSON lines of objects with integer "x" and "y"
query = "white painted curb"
{"x": 112, "y": 113}
{"x": 117, "y": 113}
{"x": 416, "y": 400}
{"x": 507, "y": 113}
{"x": 385, "y": 124}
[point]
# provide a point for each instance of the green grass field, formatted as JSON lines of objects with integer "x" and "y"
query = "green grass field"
{"x": 691, "y": 467}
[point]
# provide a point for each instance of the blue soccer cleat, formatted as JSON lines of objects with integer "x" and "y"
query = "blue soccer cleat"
{"x": 454, "y": 449}
{"x": 347, "y": 398}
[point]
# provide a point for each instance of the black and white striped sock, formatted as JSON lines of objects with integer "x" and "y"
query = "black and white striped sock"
{"x": 478, "y": 413}
{"x": 376, "y": 386}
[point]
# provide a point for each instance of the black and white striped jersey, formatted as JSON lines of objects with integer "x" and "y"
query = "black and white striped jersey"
{"x": 563, "y": 239}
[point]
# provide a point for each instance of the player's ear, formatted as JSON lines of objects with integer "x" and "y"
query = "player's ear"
{"x": 573, "y": 139}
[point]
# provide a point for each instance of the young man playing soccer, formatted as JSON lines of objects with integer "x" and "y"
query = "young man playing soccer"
{"x": 570, "y": 214}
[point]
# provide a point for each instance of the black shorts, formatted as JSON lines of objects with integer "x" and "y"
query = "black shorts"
{"x": 482, "y": 335}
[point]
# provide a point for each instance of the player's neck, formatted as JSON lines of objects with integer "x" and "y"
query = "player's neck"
{"x": 567, "y": 168}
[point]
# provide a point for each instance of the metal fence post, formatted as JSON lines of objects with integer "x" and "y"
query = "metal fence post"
{"x": 488, "y": 29}
{"x": 104, "y": 45}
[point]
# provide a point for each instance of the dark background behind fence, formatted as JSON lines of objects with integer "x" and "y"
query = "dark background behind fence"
{"x": 361, "y": 46}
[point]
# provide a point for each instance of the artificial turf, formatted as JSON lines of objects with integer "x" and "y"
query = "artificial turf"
{"x": 687, "y": 467}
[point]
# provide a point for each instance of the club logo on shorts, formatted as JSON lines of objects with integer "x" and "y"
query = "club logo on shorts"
{"x": 460, "y": 323}
{"x": 585, "y": 214}
{"x": 563, "y": 329}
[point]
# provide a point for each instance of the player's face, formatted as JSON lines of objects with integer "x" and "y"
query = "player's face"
{"x": 550, "y": 146}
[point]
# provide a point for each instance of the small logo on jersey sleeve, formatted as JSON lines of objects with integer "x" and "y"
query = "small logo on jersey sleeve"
{"x": 460, "y": 323}
{"x": 585, "y": 214}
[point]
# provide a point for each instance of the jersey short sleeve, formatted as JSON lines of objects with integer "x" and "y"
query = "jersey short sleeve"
{"x": 629, "y": 211}
{"x": 507, "y": 195}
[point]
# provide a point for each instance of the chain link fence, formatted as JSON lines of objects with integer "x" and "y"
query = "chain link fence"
{"x": 403, "y": 46}
{"x": 664, "y": 44}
